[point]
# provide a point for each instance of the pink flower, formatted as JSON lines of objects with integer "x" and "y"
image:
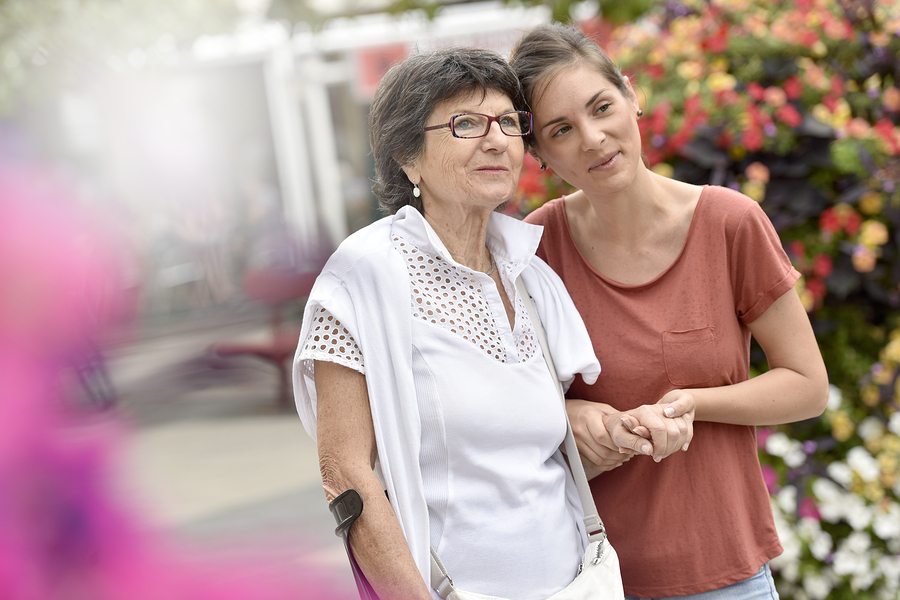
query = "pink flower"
{"x": 808, "y": 509}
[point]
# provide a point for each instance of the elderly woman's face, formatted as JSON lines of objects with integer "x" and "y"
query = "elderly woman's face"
{"x": 479, "y": 172}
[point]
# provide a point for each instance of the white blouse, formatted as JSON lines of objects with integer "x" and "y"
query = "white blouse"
{"x": 517, "y": 486}
{"x": 491, "y": 420}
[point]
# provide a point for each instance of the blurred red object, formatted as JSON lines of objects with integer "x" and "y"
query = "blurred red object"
{"x": 275, "y": 288}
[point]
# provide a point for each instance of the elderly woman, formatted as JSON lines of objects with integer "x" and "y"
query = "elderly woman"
{"x": 418, "y": 368}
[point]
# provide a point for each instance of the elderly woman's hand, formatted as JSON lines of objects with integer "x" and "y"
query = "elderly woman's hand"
{"x": 668, "y": 425}
{"x": 598, "y": 451}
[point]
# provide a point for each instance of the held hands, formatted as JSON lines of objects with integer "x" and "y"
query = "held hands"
{"x": 607, "y": 438}
{"x": 659, "y": 429}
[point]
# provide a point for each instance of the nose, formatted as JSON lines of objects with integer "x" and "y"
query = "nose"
{"x": 495, "y": 138}
{"x": 592, "y": 137}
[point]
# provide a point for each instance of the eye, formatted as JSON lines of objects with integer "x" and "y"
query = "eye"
{"x": 602, "y": 107}
{"x": 510, "y": 121}
{"x": 561, "y": 131}
{"x": 466, "y": 122}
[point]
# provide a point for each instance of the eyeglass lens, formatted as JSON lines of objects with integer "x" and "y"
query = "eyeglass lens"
{"x": 469, "y": 125}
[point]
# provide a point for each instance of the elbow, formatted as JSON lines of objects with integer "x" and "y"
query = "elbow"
{"x": 819, "y": 392}
{"x": 334, "y": 481}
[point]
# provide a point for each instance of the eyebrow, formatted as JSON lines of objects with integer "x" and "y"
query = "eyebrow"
{"x": 587, "y": 104}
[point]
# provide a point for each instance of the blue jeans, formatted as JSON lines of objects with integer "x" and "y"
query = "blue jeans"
{"x": 758, "y": 587}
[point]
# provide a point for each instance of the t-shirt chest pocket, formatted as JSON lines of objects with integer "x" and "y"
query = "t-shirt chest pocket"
{"x": 691, "y": 357}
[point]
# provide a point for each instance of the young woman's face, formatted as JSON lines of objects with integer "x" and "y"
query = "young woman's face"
{"x": 478, "y": 172}
{"x": 586, "y": 130}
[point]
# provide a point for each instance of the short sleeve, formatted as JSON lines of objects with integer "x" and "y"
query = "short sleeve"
{"x": 328, "y": 340}
{"x": 761, "y": 272}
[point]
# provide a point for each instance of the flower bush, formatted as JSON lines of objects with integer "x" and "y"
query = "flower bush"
{"x": 797, "y": 105}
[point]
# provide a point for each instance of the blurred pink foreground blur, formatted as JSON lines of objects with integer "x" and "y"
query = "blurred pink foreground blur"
{"x": 66, "y": 529}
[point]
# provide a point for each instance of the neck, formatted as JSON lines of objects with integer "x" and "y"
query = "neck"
{"x": 628, "y": 215}
{"x": 464, "y": 233}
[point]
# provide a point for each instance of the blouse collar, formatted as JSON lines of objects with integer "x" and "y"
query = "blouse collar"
{"x": 512, "y": 242}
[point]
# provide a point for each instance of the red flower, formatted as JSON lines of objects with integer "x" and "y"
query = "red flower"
{"x": 753, "y": 138}
{"x": 797, "y": 249}
{"x": 829, "y": 221}
{"x": 718, "y": 41}
{"x": 852, "y": 222}
{"x": 789, "y": 115}
{"x": 837, "y": 86}
{"x": 822, "y": 265}
{"x": 792, "y": 87}
{"x": 816, "y": 287}
{"x": 885, "y": 129}
{"x": 756, "y": 91}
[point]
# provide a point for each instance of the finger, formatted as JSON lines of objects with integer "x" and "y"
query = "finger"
{"x": 678, "y": 407}
{"x": 690, "y": 435}
{"x": 624, "y": 439}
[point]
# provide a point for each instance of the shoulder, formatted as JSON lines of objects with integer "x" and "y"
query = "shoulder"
{"x": 364, "y": 247}
{"x": 728, "y": 208}
{"x": 548, "y": 214}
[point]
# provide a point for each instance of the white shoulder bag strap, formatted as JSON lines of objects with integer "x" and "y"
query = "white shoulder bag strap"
{"x": 440, "y": 579}
{"x": 592, "y": 523}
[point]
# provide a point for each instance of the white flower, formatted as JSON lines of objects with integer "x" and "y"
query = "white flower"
{"x": 857, "y": 514}
{"x": 863, "y": 463}
{"x": 834, "y": 398}
{"x": 862, "y": 581}
{"x": 787, "y": 499}
{"x": 890, "y": 567}
{"x": 886, "y": 522}
{"x": 841, "y": 473}
{"x": 870, "y": 429}
{"x": 851, "y": 558}
{"x": 817, "y": 586}
{"x": 778, "y": 444}
{"x": 894, "y": 423}
{"x": 795, "y": 456}
{"x": 833, "y": 501}
{"x": 820, "y": 544}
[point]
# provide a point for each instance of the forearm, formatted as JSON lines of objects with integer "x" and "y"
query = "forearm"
{"x": 377, "y": 540}
{"x": 778, "y": 396}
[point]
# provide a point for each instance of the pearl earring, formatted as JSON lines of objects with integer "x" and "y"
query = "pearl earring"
{"x": 543, "y": 166}
{"x": 416, "y": 191}
{"x": 640, "y": 113}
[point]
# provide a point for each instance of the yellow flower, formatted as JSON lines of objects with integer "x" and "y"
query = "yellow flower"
{"x": 873, "y": 234}
{"x": 841, "y": 426}
{"x": 819, "y": 49}
{"x": 664, "y": 169}
{"x": 842, "y": 113}
{"x": 807, "y": 299}
{"x": 755, "y": 189}
{"x": 873, "y": 491}
{"x": 719, "y": 82}
{"x": 719, "y": 65}
{"x": 690, "y": 70}
{"x": 821, "y": 113}
{"x": 883, "y": 376}
{"x": 692, "y": 88}
{"x": 871, "y": 203}
{"x": 890, "y": 354}
{"x": 864, "y": 259}
{"x": 870, "y": 395}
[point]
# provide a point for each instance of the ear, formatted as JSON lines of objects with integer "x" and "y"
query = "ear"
{"x": 412, "y": 173}
{"x": 632, "y": 95}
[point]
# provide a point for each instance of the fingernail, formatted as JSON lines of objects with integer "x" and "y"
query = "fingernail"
{"x": 685, "y": 447}
{"x": 669, "y": 411}
{"x": 656, "y": 459}
{"x": 646, "y": 448}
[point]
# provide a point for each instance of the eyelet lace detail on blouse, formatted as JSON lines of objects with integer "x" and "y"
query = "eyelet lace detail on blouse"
{"x": 445, "y": 295}
{"x": 330, "y": 341}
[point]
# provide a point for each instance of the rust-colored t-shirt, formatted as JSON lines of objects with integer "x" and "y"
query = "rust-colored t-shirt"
{"x": 699, "y": 520}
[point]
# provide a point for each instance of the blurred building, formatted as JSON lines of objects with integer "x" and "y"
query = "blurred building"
{"x": 251, "y": 149}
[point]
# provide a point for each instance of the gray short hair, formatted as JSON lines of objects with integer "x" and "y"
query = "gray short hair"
{"x": 547, "y": 49}
{"x": 405, "y": 98}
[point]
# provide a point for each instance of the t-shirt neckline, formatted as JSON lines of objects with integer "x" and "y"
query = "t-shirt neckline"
{"x": 634, "y": 286}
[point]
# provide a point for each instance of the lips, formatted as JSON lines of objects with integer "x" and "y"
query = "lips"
{"x": 604, "y": 162}
{"x": 492, "y": 169}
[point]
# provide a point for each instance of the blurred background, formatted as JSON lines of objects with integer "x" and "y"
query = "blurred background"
{"x": 173, "y": 175}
